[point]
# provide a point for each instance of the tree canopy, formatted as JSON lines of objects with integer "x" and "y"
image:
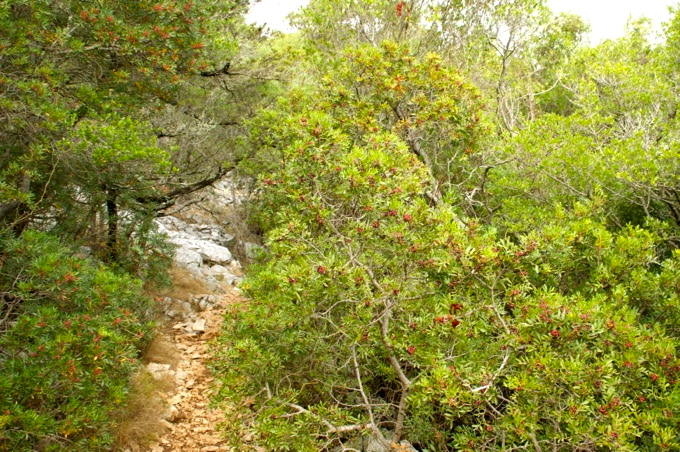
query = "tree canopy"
{"x": 79, "y": 84}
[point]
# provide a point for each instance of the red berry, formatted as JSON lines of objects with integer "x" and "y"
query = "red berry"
{"x": 411, "y": 350}
{"x": 555, "y": 333}
{"x": 321, "y": 269}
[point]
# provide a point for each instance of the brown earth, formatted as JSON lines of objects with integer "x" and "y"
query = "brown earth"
{"x": 174, "y": 408}
{"x": 193, "y": 423}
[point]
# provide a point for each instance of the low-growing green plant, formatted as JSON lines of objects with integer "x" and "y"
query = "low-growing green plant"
{"x": 70, "y": 339}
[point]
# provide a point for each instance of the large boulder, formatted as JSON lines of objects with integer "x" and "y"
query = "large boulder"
{"x": 187, "y": 258}
{"x": 196, "y": 245}
{"x": 176, "y": 229}
{"x": 224, "y": 275}
{"x": 211, "y": 252}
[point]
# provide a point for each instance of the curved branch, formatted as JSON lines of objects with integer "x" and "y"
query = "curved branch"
{"x": 168, "y": 199}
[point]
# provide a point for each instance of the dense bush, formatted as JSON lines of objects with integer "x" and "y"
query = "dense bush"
{"x": 70, "y": 336}
{"x": 380, "y": 312}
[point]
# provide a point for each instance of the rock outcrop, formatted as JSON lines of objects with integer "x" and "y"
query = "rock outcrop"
{"x": 201, "y": 249}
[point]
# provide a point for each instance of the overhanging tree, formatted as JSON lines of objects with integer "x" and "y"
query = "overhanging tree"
{"x": 70, "y": 66}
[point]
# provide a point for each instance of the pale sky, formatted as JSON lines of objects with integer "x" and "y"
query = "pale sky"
{"x": 606, "y": 17}
{"x": 274, "y": 12}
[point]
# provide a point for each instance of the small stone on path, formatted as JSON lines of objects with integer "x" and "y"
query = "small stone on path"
{"x": 199, "y": 326}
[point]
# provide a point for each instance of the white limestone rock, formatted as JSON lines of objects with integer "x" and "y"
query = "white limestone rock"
{"x": 210, "y": 252}
{"x": 199, "y": 326}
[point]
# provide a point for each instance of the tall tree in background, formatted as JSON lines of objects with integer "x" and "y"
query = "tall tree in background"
{"x": 513, "y": 50}
{"x": 609, "y": 129}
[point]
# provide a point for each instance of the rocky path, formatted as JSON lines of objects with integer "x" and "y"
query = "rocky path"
{"x": 194, "y": 424}
{"x": 191, "y": 422}
{"x": 205, "y": 277}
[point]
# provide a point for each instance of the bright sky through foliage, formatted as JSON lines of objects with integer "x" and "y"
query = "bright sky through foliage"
{"x": 273, "y": 13}
{"x": 606, "y": 17}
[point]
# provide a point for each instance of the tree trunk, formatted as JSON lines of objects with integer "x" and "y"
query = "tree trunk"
{"x": 112, "y": 221}
{"x": 15, "y": 212}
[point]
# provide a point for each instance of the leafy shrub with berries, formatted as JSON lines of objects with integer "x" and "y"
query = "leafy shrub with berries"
{"x": 430, "y": 107}
{"x": 380, "y": 311}
{"x": 71, "y": 331}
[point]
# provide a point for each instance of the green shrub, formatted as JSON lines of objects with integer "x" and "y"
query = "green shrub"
{"x": 70, "y": 339}
{"x": 378, "y": 311}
